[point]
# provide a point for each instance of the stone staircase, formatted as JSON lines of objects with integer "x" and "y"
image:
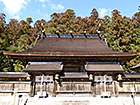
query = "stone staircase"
{"x": 83, "y": 101}
{"x": 8, "y": 100}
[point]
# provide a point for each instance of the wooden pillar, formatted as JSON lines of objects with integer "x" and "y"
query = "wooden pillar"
{"x": 113, "y": 86}
{"x": 93, "y": 84}
{"x": 134, "y": 83}
{"x": 54, "y": 86}
{"x": 32, "y": 91}
{"x": 116, "y": 85}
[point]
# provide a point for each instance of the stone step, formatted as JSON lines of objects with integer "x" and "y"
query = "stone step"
{"x": 26, "y": 100}
{"x": 83, "y": 101}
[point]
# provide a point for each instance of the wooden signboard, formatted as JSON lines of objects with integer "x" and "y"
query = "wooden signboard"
{"x": 103, "y": 78}
{"x": 44, "y": 79}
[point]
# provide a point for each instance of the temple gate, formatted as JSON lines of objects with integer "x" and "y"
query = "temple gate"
{"x": 74, "y": 62}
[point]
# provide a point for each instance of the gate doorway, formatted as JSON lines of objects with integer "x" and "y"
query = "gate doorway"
{"x": 74, "y": 83}
{"x": 99, "y": 88}
{"x": 74, "y": 87}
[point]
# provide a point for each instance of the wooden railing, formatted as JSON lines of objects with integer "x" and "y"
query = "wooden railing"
{"x": 128, "y": 87}
{"x": 9, "y": 86}
{"x": 74, "y": 87}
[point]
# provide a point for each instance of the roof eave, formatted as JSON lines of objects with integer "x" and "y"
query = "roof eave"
{"x": 105, "y": 70}
{"x": 7, "y": 53}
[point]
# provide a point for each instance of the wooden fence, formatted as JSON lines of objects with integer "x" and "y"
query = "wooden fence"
{"x": 128, "y": 87}
{"x": 115, "y": 88}
{"x": 74, "y": 87}
{"x": 9, "y": 86}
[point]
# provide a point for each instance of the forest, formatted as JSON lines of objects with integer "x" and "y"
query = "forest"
{"x": 122, "y": 33}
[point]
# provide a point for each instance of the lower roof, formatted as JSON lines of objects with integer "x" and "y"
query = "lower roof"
{"x": 58, "y": 66}
{"x": 131, "y": 76}
{"x": 103, "y": 67}
{"x": 137, "y": 67}
{"x": 13, "y": 75}
{"x": 43, "y": 66}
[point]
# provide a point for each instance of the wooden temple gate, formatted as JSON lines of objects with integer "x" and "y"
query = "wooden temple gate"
{"x": 86, "y": 80}
{"x": 75, "y": 87}
{"x": 73, "y": 61}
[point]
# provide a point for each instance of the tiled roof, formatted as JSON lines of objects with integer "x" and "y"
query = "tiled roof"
{"x": 13, "y": 75}
{"x": 103, "y": 67}
{"x": 137, "y": 67}
{"x": 131, "y": 76}
{"x": 71, "y": 46}
{"x": 58, "y": 49}
{"x": 43, "y": 67}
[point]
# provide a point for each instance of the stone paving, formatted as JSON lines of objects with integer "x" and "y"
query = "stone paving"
{"x": 25, "y": 100}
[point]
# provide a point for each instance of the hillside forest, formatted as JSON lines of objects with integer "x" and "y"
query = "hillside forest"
{"x": 122, "y": 33}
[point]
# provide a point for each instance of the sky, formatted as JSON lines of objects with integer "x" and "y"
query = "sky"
{"x": 42, "y": 9}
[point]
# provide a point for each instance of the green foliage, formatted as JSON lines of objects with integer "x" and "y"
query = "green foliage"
{"x": 8, "y": 65}
{"x": 18, "y": 67}
{"x": 16, "y": 37}
{"x": 122, "y": 33}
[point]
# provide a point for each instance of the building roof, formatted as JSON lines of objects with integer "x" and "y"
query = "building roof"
{"x": 131, "y": 76}
{"x": 137, "y": 67}
{"x": 66, "y": 46}
{"x": 13, "y": 75}
{"x": 70, "y": 47}
{"x": 103, "y": 67}
{"x": 43, "y": 66}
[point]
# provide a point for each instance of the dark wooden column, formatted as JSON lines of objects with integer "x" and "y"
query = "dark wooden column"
{"x": 54, "y": 86}
{"x": 93, "y": 86}
{"x": 32, "y": 91}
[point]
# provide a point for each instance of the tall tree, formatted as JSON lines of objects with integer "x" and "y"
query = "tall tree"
{"x": 94, "y": 22}
{"x": 3, "y": 37}
{"x": 122, "y": 35}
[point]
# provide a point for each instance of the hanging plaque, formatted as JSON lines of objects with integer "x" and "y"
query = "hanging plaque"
{"x": 44, "y": 79}
{"x": 38, "y": 78}
{"x": 98, "y": 78}
{"x": 48, "y": 78}
{"x": 109, "y": 79}
{"x": 103, "y": 78}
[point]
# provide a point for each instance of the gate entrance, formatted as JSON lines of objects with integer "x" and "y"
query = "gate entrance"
{"x": 74, "y": 87}
{"x": 99, "y": 88}
{"x": 74, "y": 83}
